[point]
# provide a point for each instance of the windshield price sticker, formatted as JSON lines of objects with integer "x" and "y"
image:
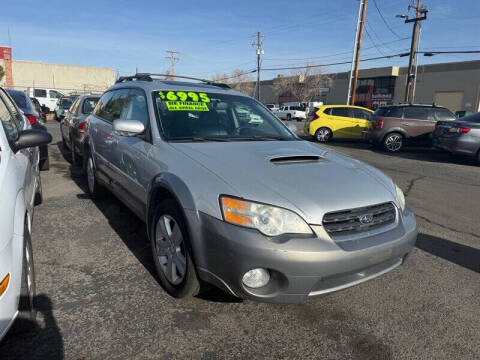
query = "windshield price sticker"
{"x": 185, "y": 100}
{"x": 184, "y": 96}
{"x": 186, "y": 106}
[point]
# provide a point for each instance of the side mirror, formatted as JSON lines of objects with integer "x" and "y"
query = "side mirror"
{"x": 31, "y": 138}
{"x": 128, "y": 127}
{"x": 292, "y": 128}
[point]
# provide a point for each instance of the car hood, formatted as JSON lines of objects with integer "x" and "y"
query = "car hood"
{"x": 297, "y": 175}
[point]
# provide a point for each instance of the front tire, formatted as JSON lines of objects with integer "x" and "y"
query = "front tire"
{"x": 28, "y": 288}
{"x": 171, "y": 251}
{"x": 393, "y": 142}
{"x": 323, "y": 134}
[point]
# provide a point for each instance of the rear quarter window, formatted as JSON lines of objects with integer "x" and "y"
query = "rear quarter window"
{"x": 443, "y": 114}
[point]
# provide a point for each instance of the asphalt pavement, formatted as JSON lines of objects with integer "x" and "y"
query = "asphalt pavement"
{"x": 98, "y": 297}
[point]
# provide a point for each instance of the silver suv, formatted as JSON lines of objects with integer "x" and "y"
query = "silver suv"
{"x": 233, "y": 198}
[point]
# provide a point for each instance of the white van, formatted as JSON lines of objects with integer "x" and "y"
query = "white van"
{"x": 45, "y": 96}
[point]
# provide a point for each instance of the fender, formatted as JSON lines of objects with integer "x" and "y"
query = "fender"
{"x": 398, "y": 130}
{"x": 174, "y": 185}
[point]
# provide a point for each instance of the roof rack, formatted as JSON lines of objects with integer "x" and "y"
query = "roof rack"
{"x": 151, "y": 77}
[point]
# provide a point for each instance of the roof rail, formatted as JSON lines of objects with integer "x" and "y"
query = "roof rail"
{"x": 151, "y": 77}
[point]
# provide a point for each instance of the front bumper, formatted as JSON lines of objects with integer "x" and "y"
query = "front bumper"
{"x": 300, "y": 267}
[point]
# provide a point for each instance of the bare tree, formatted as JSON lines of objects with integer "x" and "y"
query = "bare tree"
{"x": 2, "y": 73}
{"x": 239, "y": 80}
{"x": 303, "y": 85}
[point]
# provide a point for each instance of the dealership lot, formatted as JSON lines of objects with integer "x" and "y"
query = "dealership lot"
{"x": 98, "y": 296}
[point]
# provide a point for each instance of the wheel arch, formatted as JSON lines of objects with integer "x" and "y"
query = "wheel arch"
{"x": 396, "y": 130}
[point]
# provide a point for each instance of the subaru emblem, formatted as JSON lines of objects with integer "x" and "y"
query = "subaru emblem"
{"x": 365, "y": 219}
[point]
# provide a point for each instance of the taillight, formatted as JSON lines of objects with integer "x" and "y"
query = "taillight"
{"x": 379, "y": 124}
{"x": 459, "y": 130}
{"x": 81, "y": 127}
{"x": 31, "y": 118}
{"x": 315, "y": 116}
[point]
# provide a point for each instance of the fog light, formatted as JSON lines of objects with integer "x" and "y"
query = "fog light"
{"x": 256, "y": 278}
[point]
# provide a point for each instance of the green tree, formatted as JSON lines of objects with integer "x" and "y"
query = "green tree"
{"x": 2, "y": 73}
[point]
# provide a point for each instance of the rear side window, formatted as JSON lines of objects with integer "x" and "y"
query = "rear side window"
{"x": 443, "y": 114}
{"x": 394, "y": 111}
{"x": 360, "y": 114}
{"x": 55, "y": 94}
{"x": 40, "y": 93}
{"x": 328, "y": 111}
{"x": 20, "y": 99}
{"x": 340, "y": 111}
{"x": 417, "y": 112}
{"x": 381, "y": 111}
{"x": 89, "y": 104}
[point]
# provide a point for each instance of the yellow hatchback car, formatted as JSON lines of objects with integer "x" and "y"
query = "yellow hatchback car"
{"x": 338, "y": 122}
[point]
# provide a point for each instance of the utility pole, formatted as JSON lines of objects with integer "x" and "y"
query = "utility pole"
{"x": 259, "y": 53}
{"x": 173, "y": 60}
{"x": 420, "y": 14}
{"x": 353, "y": 87}
{"x": 357, "y": 29}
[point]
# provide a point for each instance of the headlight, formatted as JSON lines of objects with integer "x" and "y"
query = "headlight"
{"x": 270, "y": 220}
{"x": 400, "y": 198}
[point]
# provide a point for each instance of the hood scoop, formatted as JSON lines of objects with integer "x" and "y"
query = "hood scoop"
{"x": 296, "y": 159}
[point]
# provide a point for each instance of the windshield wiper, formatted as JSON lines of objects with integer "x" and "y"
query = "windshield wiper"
{"x": 199, "y": 139}
{"x": 261, "y": 138}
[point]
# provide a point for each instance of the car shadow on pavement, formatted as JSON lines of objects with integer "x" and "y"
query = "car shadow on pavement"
{"x": 28, "y": 339}
{"x": 131, "y": 230}
{"x": 420, "y": 153}
{"x": 459, "y": 254}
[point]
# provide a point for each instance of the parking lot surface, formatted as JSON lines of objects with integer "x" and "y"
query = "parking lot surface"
{"x": 98, "y": 297}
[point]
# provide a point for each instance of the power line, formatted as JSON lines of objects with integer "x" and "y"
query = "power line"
{"x": 385, "y": 21}
{"x": 336, "y": 54}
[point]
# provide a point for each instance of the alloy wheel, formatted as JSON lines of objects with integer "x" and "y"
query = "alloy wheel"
{"x": 170, "y": 249}
{"x": 393, "y": 142}
{"x": 323, "y": 135}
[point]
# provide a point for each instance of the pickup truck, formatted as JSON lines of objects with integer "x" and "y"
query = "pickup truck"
{"x": 290, "y": 112}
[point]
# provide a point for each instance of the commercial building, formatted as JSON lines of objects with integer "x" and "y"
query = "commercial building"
{"x": 455, "y": 85}
{"x": 21, "y": 74}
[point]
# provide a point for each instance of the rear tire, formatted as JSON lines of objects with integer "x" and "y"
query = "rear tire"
{"x": 95, "y": 190}
{"x": 323, "y": 134}
{"x": 393, "y": 142}
{"x": 172, "y": 252}
{"x": 74, "y": 155}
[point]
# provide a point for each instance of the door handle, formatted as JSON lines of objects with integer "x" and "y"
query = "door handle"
{"x": 406, "y": 124}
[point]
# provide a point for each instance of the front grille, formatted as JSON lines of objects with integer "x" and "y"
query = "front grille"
{"x": 358, "y": 220}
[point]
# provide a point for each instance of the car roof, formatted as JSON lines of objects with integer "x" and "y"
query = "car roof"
{"x": 149, "y": 84}
{"x": 412, "y": 105}
{"x": 347, "y": 106}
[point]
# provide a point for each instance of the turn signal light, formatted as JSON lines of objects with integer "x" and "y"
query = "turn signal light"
{"x": 4, "y": 284}
{"x": 233, "y": 209}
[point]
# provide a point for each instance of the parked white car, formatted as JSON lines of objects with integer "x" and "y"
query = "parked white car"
{"x": 20, "y": 190}
{"x": 45, "y": 96}
{"x": 290, "y": 112}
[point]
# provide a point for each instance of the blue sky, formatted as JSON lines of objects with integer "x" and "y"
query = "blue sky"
{"x": 216, "y": 36}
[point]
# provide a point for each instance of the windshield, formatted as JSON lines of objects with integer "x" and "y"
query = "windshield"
{"x": 197, "y": 116}
{"x": 66, "y": 103}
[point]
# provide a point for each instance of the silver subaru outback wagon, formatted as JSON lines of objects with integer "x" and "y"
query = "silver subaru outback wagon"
{"x": 233, "y": 198}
